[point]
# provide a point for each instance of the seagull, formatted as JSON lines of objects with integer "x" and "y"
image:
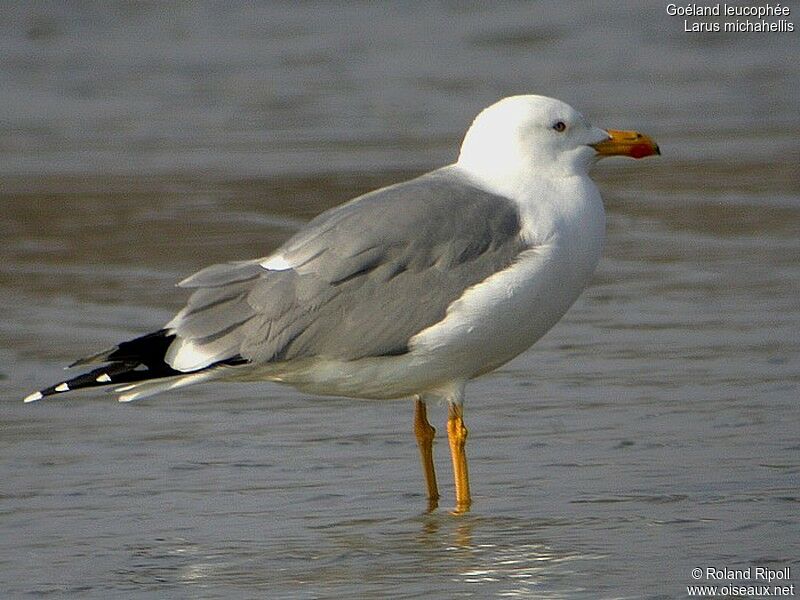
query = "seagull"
{"x": 409, "y": 291}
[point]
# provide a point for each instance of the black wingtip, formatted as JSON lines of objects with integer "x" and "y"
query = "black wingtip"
{"x": 59, "y": 388}
{"x": 133, "y": 361}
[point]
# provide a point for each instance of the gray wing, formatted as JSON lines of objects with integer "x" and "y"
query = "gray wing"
{"x": 365, "y": 278}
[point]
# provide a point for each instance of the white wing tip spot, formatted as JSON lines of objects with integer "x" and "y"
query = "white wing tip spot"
{"x": 188, "y": 356}
{"x": 276, "y": 262}
{"x": 104, "y": 378}
{"x": 62, "y": 387}
{"x": 33, "y": 397}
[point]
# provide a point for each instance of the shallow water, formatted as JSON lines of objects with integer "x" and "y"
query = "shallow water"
{"x": 654, "y": 430}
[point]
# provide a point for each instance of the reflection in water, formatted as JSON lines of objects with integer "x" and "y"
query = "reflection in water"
{"x": 517, "y": 564}
{"x": 458, "y": 554}
{"x": 461, "y": 535}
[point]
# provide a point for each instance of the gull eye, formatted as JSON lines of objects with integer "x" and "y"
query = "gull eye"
{"x": 559, "y": 126}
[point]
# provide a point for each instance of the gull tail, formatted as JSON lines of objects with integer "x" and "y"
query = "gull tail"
{"x": 137, "y": 367}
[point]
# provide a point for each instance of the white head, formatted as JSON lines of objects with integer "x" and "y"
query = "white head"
{"x": 523, "y": 138}
{"x": 529, "y": 134}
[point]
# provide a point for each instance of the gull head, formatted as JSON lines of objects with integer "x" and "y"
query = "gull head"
{"x": 525, "y": 137}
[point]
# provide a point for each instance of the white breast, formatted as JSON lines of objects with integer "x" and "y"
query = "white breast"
{"x": 504, "y": 315}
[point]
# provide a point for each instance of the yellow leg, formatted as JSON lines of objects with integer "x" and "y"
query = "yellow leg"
{"x": 457, "y": 435}
{"x": 425, "y": 432}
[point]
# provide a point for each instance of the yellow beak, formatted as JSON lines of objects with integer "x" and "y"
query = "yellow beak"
{"x": 626, "y": 143}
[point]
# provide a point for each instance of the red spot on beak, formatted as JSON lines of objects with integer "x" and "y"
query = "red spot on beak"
{"x": 626, "y": 143}
{"x": 641, "y": 150}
